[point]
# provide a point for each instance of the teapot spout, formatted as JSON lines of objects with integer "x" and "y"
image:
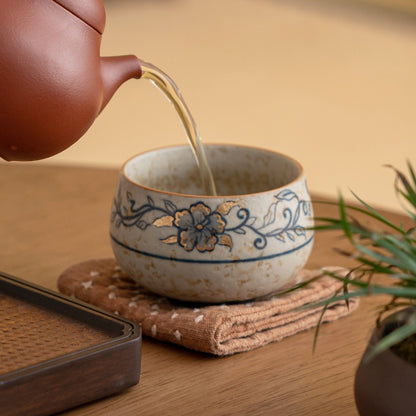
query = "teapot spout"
{"x": 115, "y": 71}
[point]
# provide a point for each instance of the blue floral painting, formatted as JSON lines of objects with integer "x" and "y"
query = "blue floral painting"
{"x": 203, "y": 228}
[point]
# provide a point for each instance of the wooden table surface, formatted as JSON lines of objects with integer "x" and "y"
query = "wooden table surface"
{"x": 53, "y": 217}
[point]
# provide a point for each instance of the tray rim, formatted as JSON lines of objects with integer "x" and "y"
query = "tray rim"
{"x": 131, "y": 331}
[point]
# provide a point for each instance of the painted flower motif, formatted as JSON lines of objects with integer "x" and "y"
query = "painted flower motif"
{"x": 198, "y": 227}
{"x": 202, "y": 228}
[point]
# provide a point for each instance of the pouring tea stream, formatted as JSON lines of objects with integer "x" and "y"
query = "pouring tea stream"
{"x": 169, "y": 88}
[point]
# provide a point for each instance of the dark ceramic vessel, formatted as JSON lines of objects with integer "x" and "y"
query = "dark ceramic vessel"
{"x": 385, "y": 385}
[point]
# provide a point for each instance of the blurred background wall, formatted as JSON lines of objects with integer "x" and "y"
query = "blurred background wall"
{"x": 331, "y": 83}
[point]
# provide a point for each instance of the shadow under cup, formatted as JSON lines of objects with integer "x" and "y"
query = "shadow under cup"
{"x": 249, "y": 241}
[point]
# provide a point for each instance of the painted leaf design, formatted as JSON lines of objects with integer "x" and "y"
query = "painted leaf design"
{"x": 170, "y": 206}
{"x": 286, "y": 195}
{"x": 250, "y": 222}
{"x": 225, "y": 207}
{"x": 290, "y": 236}
{"x": 226, "y": 240}
{"x": 150, "y": 201}
{"x": 270, "y": 217}
{"x": 299, "y": 231}
{"x": 296, "y": 216}
{"x": 173, "y": 239}
{"x": 276, "y": 231}
{"x": 165, "y": 221}
{"x": 142, "y": 224}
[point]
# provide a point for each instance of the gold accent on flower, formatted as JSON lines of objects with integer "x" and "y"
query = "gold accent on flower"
{"x": 199, "y": 228}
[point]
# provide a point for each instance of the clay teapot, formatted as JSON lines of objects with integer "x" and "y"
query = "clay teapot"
{"x": 53, "y": 82}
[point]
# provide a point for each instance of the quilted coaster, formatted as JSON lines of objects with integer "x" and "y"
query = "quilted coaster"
{"x": 217, "y": 329}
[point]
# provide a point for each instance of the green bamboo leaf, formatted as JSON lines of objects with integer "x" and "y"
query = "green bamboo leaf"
{"x": 367, "y": 211}
{"x": 403, "y": 259}
{"x": 323, "y": 228}
{"x": 327, "y": 219}
{"x": 370, "y": 211}
{"x": 376, "y": 255}
{"x": 334, "y": 225}
{"x": 404, "y": 243}
{"x": 375, "y": 267}
{"x": 411, "y": 201}
{"x": 318, "y": 326}
{"x": 409, "y": 192}
{"x": 400, "y": 261}
{"x": 412, "y": 173}
{"x": 299, "y": 286}
{"x": 404, "y": 276}
{"x": 344, "y": 220}
{"x": 402, "y": 179}
{"x": 373, "y": 290}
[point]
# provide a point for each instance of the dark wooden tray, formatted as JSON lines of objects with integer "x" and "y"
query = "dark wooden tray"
{"x": 57, "y": 352}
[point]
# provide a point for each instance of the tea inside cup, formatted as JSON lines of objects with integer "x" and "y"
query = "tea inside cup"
{"x": 237, "y": 170}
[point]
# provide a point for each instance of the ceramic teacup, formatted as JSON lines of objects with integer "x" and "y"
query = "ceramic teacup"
{"x": 249, "y": 242}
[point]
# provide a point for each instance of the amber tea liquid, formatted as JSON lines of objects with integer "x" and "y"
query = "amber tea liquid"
{"x": 169, "y": 88}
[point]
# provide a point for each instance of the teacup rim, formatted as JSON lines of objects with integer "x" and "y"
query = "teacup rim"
{"x": 184, "y": 195}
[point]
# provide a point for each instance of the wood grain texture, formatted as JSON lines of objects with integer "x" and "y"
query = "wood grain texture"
{"x": 53, "y": 217}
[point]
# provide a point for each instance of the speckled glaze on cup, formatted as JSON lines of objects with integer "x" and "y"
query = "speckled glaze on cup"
{"x": 179, "y": 243}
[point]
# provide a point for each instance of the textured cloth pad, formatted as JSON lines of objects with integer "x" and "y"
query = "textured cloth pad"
{"x": 216, "y": 329}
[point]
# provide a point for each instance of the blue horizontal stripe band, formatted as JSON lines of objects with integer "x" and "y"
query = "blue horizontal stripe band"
{"x": 158, "y": 256}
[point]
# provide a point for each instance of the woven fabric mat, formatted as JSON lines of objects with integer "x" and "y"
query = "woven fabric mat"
{"x": 217, "y": 329}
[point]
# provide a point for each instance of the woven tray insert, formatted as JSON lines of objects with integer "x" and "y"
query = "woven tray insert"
{"x": 31, "y": 334}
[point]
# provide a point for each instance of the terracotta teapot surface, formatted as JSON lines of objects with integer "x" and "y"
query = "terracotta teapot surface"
{"x": 53, "y": 82}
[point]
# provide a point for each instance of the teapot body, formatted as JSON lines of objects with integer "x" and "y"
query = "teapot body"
{"x": 52, "y": 85}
